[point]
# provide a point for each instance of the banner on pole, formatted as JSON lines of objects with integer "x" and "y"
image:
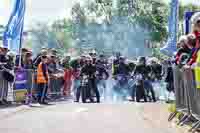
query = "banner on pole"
{"x": 13, "y": 33}
{"x": 170, "y": 46}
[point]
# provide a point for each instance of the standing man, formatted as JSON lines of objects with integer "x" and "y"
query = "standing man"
{"x": 42, "y": 79}
{"x": 38, "y": 59}
{"x": 92, "y": 67}
{"x": 3, "y": 82}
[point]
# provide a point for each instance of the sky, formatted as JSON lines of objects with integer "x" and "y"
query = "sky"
{"x": 44, "y": 10}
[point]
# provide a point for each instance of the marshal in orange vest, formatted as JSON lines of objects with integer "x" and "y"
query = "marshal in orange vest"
{"x": 40, "y": 76}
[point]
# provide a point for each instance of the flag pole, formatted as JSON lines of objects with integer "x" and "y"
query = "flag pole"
{"x": 21, "y": 38}
{"x": 20, "y": 46}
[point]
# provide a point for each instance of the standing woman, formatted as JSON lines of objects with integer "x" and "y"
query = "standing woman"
{"x": 195, "y": 59}
{"x": 195, "y": 20}
{"x": 67, "y": 76}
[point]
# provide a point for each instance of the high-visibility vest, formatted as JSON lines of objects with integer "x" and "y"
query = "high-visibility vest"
{"x": 40, "y": 75}
{"x": 197, "y": 71}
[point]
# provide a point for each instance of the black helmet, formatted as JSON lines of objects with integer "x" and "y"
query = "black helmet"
{"x": 118, "y": 54}
{"x": 101, "y": 56}
{"x": 122, "y": 57}
{"x": 142, "y": 58}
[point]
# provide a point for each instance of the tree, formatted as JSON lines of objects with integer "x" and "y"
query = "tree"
{"x": 182, "y": 10}
{"x": 58, "y": 35}
{"x": 153, "y": 18}
{"x": 62, "y": 30}
{"x": 148, "y": 20}
{"x": 188, "y": 7}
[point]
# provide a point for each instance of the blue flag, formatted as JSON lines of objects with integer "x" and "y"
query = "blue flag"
{"x": 12, "y": 36}
{"x": 170, "y": 46}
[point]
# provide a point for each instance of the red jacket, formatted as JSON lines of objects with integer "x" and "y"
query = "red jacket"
{"x": 68, "y": 74}
{"x": 194, "y": 55}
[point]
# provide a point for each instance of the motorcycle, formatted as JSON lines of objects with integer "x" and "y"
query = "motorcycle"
{"x": 84, "y": 86}
{"x": 121, "y": 88}
{"x": 140, "y": 90}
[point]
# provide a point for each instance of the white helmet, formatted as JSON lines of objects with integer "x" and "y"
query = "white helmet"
{"x": 11, "y": 54}
{"x": 195, "y": 18}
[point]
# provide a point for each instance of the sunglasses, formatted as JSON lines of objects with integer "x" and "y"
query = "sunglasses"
{"x": 198, "y": 22}
{"x": 52, "y": 56}
{"x": 44, "y": 57}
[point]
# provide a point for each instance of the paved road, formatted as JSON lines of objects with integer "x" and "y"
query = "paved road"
{"x": 87, "y": 118}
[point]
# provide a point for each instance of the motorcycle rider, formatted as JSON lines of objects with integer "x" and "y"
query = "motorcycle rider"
{"x": 101, "y": 75}
{"x": 143, "y": 69}
{"x": 76, "y": 65}
{"x": 116, "y": 61}
{"x": 89, "y": 69}
{"x": 156, "y": 71}
{"x": 122, "y": 70}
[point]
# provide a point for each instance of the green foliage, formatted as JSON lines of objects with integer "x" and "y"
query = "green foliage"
{"x": 62, "y": 30}
{"x": 58, "y": 35}
{"x": 149, "y": 14}
{"x": 152, "y": 15}
{"x": 188, "y": 7}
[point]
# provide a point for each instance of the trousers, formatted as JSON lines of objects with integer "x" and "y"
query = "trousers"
{"x": 42, "y": 92}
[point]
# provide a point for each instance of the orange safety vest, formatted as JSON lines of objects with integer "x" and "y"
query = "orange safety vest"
{"x": 40, "y": 77}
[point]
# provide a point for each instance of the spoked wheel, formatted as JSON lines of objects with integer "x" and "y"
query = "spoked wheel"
{"x": 140, "y": 94}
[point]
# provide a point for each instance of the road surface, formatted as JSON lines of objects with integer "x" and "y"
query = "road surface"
{"x": 87, "y": 118}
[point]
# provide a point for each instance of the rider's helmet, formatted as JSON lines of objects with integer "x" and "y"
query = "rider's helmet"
{"x": 88, "y": 59}
{"x": 93, "y": 53}
{"x": 118, "y": 54}
{"x": 102, "y": 58}
{"x": 122, "y": 59}
{"x": 142, "y": 60}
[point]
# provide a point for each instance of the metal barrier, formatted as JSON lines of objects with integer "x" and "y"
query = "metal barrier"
{"x": 56, "y": 86}
{"x": 187, "y": 97}
{"x": 193, "y": 98}
{"x": 25, "y": 85}
{"x": 180, "y": 91}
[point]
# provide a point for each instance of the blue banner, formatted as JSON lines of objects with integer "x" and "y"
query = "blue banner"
{"x": 12, "y": 36}
{"x": 188, "y": 16}
{"x": 170, "y": 46}
{"x": 21, "y": 80}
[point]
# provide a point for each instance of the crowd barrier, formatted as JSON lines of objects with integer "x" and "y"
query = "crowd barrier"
{"x": 25, "y": 84}
{"x": 187, "y": 97}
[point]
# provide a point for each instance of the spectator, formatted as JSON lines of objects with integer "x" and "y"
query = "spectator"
{"x": 67, "y": 76}
{"x": 42, "y": 80}
{"x": 184, "y": 50}
{"x": 196, "y": 31}
{"x": 17, "y": 61}
{"x": 37, "y": 60}
{"x": 27, "y": 60}
{"x": 4, "y": 74}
